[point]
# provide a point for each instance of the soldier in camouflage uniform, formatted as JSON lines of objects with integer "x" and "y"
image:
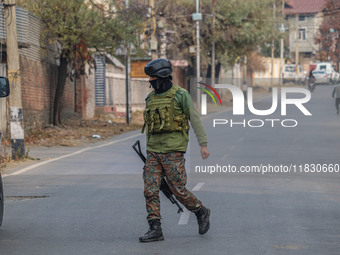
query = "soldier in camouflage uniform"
{"x": 336, "y": 94}
{"x": 167, "y": 114}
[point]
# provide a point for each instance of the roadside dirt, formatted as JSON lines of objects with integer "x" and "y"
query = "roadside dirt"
{"x": 78, "y": 132}
{"x": 73, "y": 132}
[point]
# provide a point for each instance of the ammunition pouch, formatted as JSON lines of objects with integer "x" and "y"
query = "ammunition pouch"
{"x": 160, "y": 116}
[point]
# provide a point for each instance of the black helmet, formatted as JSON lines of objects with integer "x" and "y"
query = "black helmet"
{"x": 158, "y": 67}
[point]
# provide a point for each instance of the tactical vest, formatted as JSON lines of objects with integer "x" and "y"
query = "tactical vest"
{"x": 161, "y": 117}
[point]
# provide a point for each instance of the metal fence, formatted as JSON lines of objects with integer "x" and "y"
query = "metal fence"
{"x": 100, "y": 80}
{"x": 30, "y": 30}
{"x": 22, "y": 24}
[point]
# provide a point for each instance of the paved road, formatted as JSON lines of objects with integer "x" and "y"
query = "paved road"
{"x": 89, "y": 200}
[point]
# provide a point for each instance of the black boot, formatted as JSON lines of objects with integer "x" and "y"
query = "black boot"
{"x": 154, "y": 233}
{"x": 203, "y": 215}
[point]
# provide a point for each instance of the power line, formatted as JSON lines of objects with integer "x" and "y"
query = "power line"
{"x": 123, "y": 10}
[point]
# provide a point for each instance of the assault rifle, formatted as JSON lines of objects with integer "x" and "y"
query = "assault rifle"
{"x": 164, "y": 185}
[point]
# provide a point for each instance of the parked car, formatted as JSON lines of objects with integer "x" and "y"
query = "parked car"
{"x": 321, "y": 77}
{"x": 336, "y": 77}
{"x": 330, "y": 72}
{"x": 293, "y": 73}
{"x": 4, "y": 92}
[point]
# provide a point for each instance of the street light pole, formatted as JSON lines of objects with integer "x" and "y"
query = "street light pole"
{"x": 296, "y": 42}
{"x": 198, "y": 70}
{"x": 154, "y": 53}
{"x": 273, "y": 52}
{"x": 127, "y": 85}
{"x": 213, "y": 48}
{"x": 282, "y": 44}
{"x": 127, "y": 77}
{"x": 15, "y": 98}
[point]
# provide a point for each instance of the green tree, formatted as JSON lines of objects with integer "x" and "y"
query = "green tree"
{"x": 240, "y": 27}
{"x": 75, "y": 28}
{"x": 266, "y": 49}
{"x": 329, "y": 36}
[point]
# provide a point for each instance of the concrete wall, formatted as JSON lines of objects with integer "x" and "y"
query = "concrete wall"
{"x": 264, "y": 78}
{"x": 116, "y": 91}
{"x": 179, "y": 77}
{"x": 139, "y": 91}
{"x": 235, "y": 74}
{"x": 231, "y": 72}
{"x": 89, "y": 108}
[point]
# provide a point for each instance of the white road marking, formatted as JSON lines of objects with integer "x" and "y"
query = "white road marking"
{"x": 198, "y": 186}
{"x": 241, "y": 139}
{"x": 183, "y": 220}
{"x": 68, "y": 155}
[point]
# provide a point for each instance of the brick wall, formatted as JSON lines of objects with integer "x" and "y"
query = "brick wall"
{"x": 38, "y": 82}
{"x": 68, "y": 100}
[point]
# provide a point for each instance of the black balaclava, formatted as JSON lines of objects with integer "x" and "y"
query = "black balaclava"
{"x": 161, "y": 85}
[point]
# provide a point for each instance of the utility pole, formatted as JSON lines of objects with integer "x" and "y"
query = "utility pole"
{"x": 296, "y": 42}
{"x": 282, "y": 44}
{"x": 15, "y": 99}
{"x": 213, "y": 75}
{"x": 273, "y": 51}
{"x": 127, "y": 84}
{"x": 198, "y": 62}
{"x": 153, "y": 40}
{"x": 127, "y": 77}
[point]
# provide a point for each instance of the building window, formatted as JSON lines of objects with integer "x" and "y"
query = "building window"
{"x": 302, "y": 17}
{"x": 308, "y": 54}
{"x": 302, "y": 34}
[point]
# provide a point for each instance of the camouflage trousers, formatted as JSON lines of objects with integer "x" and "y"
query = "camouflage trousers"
{"x": 172, "y": 166}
